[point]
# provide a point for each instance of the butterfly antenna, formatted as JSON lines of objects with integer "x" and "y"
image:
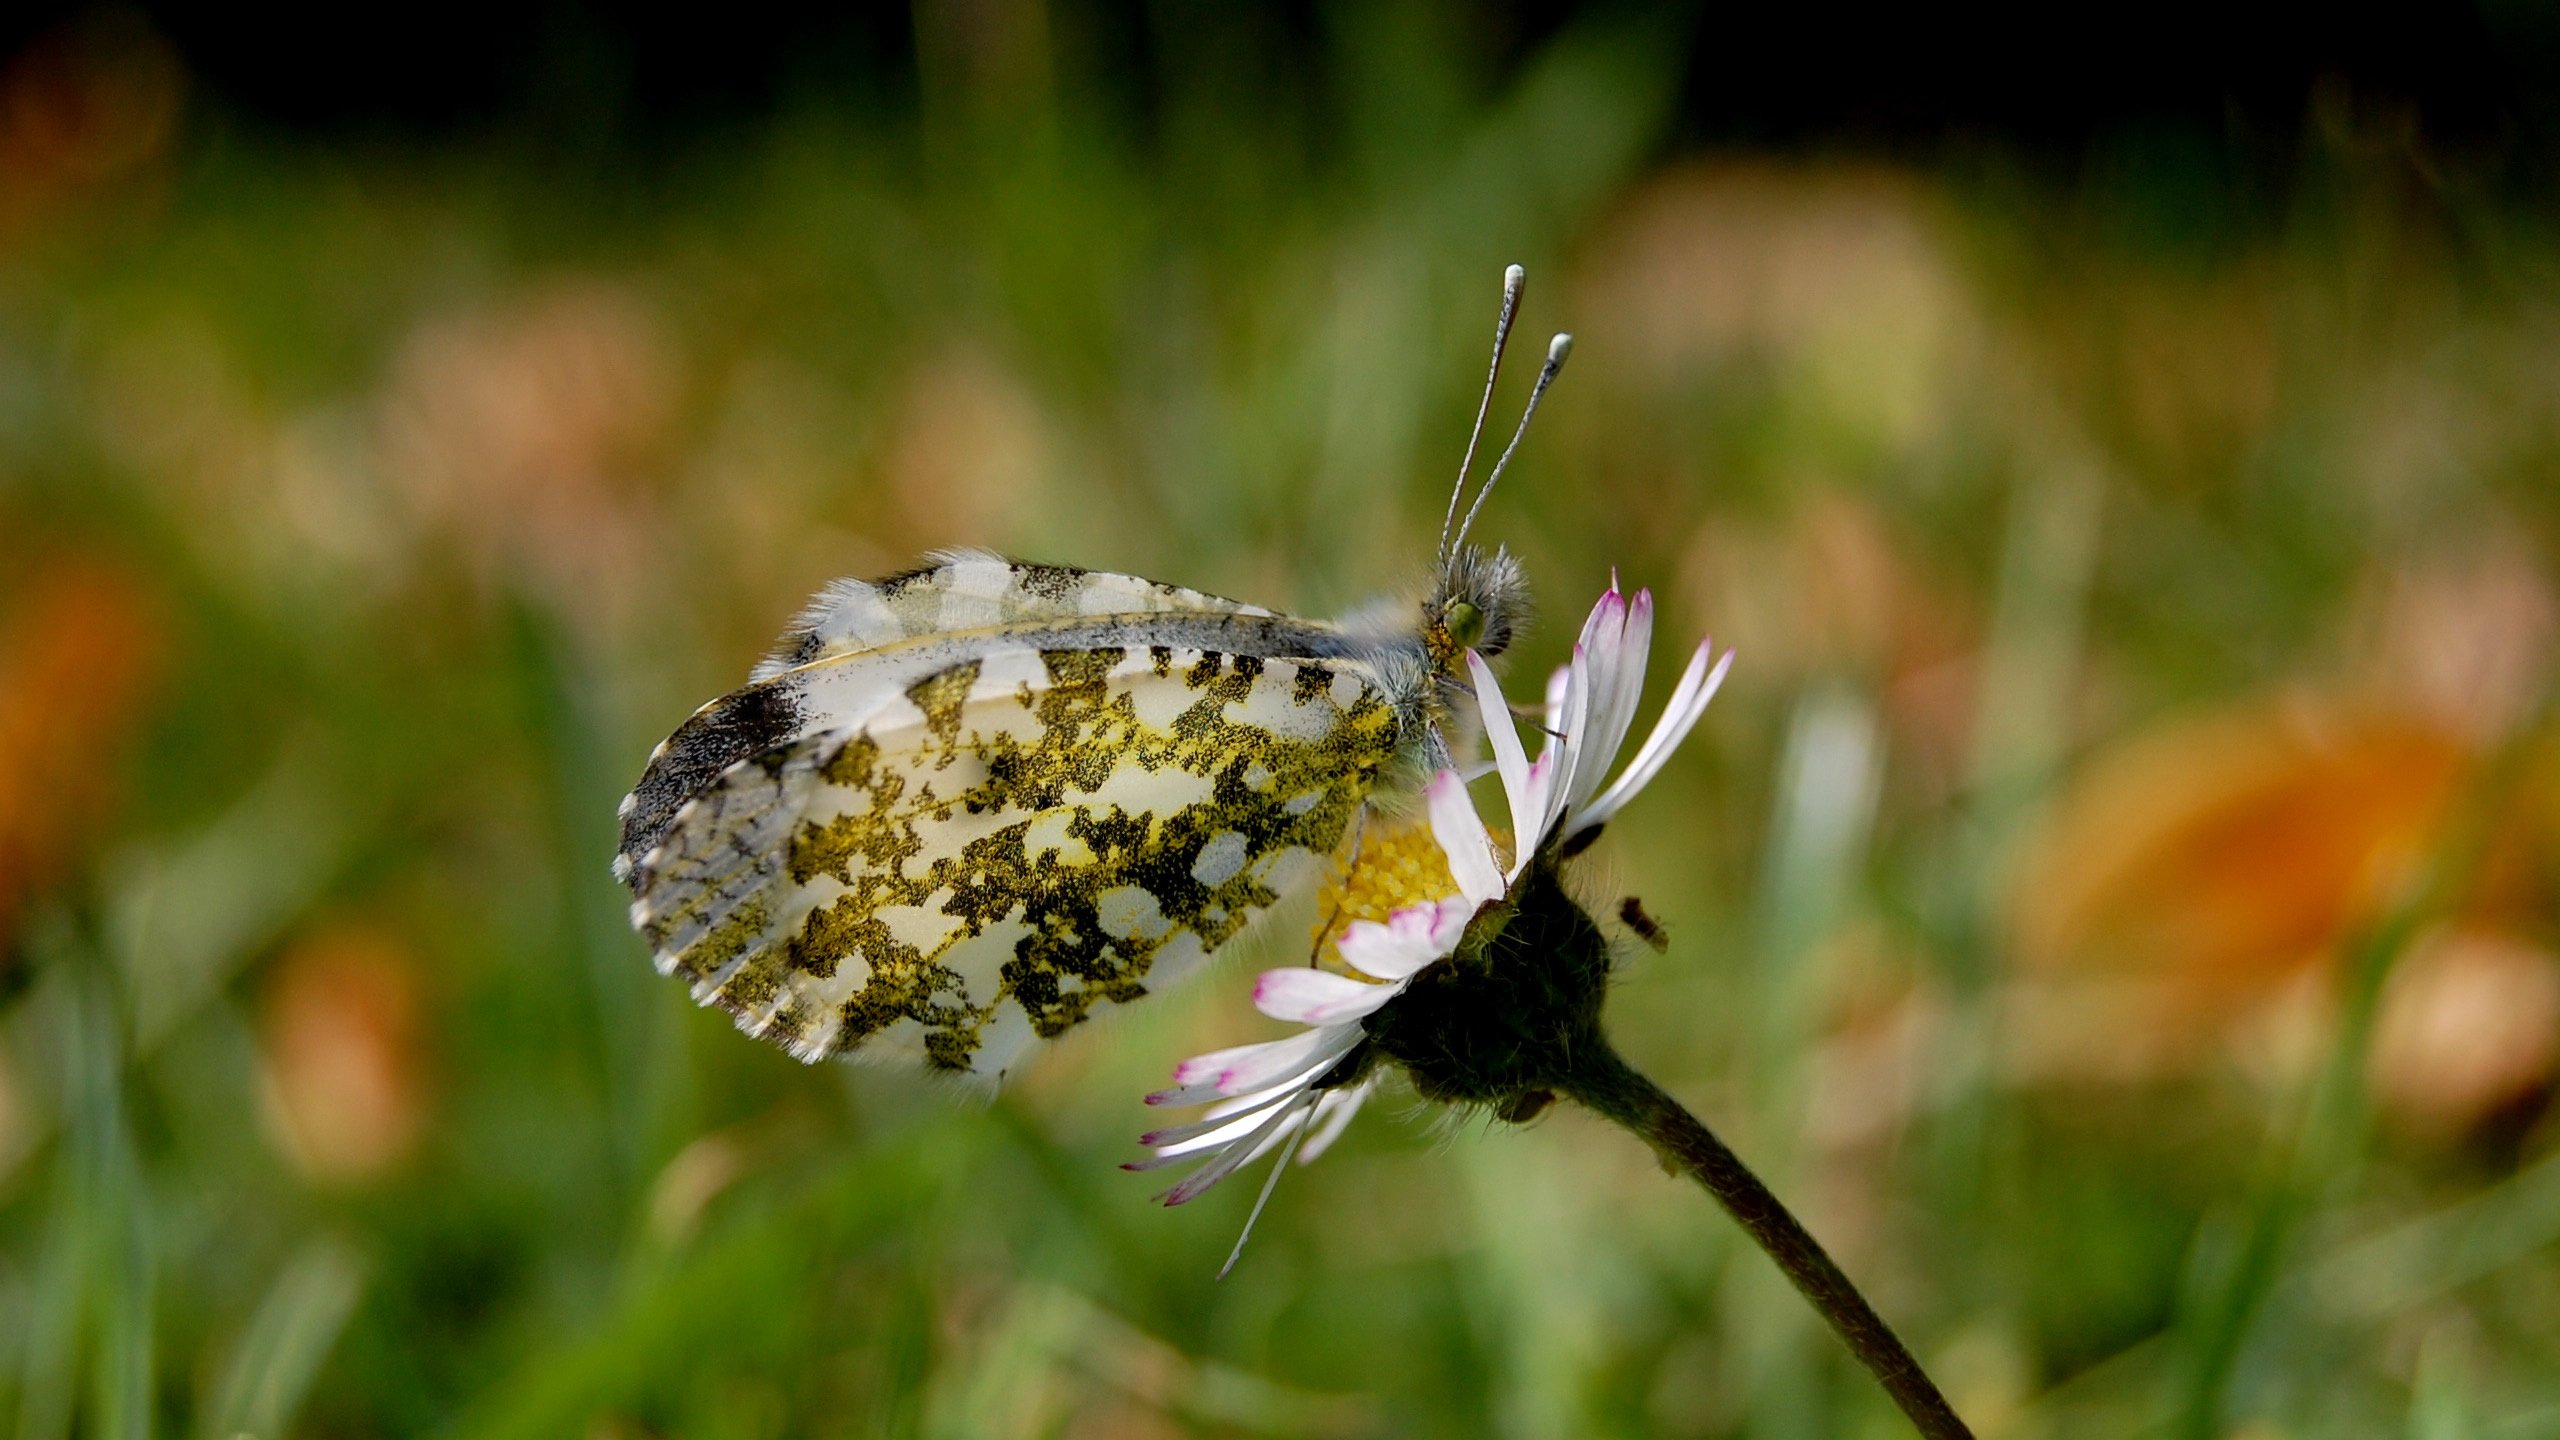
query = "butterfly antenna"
{"x": 1557, "y": 350}
{"x": 1514, "y": 279}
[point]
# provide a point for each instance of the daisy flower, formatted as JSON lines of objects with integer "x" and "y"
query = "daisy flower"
{"x": 1492, "y": 996}
{"x": 1297, "y": 1094}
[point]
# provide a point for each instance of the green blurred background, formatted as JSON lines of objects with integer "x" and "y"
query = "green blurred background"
{"x": 2114, "y": 897}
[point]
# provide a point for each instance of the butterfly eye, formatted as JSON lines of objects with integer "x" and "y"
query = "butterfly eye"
{"x": 1465, "y": 621}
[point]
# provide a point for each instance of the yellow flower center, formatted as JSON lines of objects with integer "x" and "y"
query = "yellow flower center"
{"x": 1399, "y": 864}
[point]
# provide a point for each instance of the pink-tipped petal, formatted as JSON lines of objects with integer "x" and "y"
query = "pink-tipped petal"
{"x": 1381, "y": 950}
{"x": 1462, "y": 837}
{"x": 1437, "y": 925}
{"x": 1316, "y": 997}
{"x": 1222, "y": 1124}
{"x": 1698, "y": 685}
{"x": 1410, "y": 939}
{"x": 1203, "y": 1066}
{"x": 1252, "y": 1067}
{"x": 1265, "y": 1133}
{"x": 1688, "y": 702}
{"x": 1601, "y": 628}
{"x": 1617, "y": 689}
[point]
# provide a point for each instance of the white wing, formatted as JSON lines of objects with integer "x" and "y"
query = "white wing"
{"x": 1006, "y": 843}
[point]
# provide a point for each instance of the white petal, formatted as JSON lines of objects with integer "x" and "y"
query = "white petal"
{"x": 1602, "y": 648}
{"x": 1410, "y": 939}
{"x": 1249, "y": 1101}
{"x": 1204, "y": 1066}
{"x": 1442, "y": 923}
{"x": 1553, "y": 715}
{"x": 1261, "y": 1145}
{"x": 1381, "y": 950}
{"x": 1462, "y": 837}
{"x": 1332, "y": 1117}
{"x": 1501, "y": 734}
{"x": 1573, "y": 754}
{"x": 1223, "y": 1124}
{"x": 1698, "y": 685}
{"x": 1317, "y": 997}
{"x": 1534, "y": 813}
{"x": 1602, "y": 627}
{"x": 1562, "y": 701}
{"x": 1267, "y": 1132}
{"x": 1537, "y": 806}
{"x": 1617, "y": 691}
{"x": 1253, "y": 1067}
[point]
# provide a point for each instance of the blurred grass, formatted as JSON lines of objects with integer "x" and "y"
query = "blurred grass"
{"x": 436, "y": 484}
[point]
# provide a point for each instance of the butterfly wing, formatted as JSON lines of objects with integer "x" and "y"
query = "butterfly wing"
{"x": 1006, "y": 843}
{"x": 861, "y": 645}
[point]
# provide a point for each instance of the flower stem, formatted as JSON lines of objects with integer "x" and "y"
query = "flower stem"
{"x": 1608, "y": 1086}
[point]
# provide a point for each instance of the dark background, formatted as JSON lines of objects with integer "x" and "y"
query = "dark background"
{"x": 2475, "y": 83}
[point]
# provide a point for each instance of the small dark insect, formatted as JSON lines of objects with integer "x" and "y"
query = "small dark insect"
{"x": 1650, "y": 930}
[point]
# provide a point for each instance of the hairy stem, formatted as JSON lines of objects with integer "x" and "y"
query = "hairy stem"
{"x": 1609, "y": 1087}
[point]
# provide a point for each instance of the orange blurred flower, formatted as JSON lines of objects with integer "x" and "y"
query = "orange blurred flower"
{"x": 2227, "y": 852}
{"x": 346, "y": 1091}
{"x": 2191, "y": 892}
{"x": 80, "y": 648}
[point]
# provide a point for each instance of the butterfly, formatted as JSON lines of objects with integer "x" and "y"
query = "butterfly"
{"x": 963, "y": 808}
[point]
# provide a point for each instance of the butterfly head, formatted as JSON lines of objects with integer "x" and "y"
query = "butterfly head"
{"x": 1480, "y": 605}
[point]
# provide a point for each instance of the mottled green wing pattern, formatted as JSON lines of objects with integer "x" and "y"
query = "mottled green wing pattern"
{"x": 1012, "y": 842}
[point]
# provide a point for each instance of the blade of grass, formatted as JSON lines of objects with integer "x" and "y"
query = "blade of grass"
{"x": 272, "y": 1370}
{"x": 1823, "y": 821}
{"x": 643, "y": 1081}
{"x": 115, "y": 1212}
{"x": 52, "y": 1352}
{"x": 2032, "y": 659}
{"x": 2440, "y": 1407}
{"x": 2379, "y": 1275}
